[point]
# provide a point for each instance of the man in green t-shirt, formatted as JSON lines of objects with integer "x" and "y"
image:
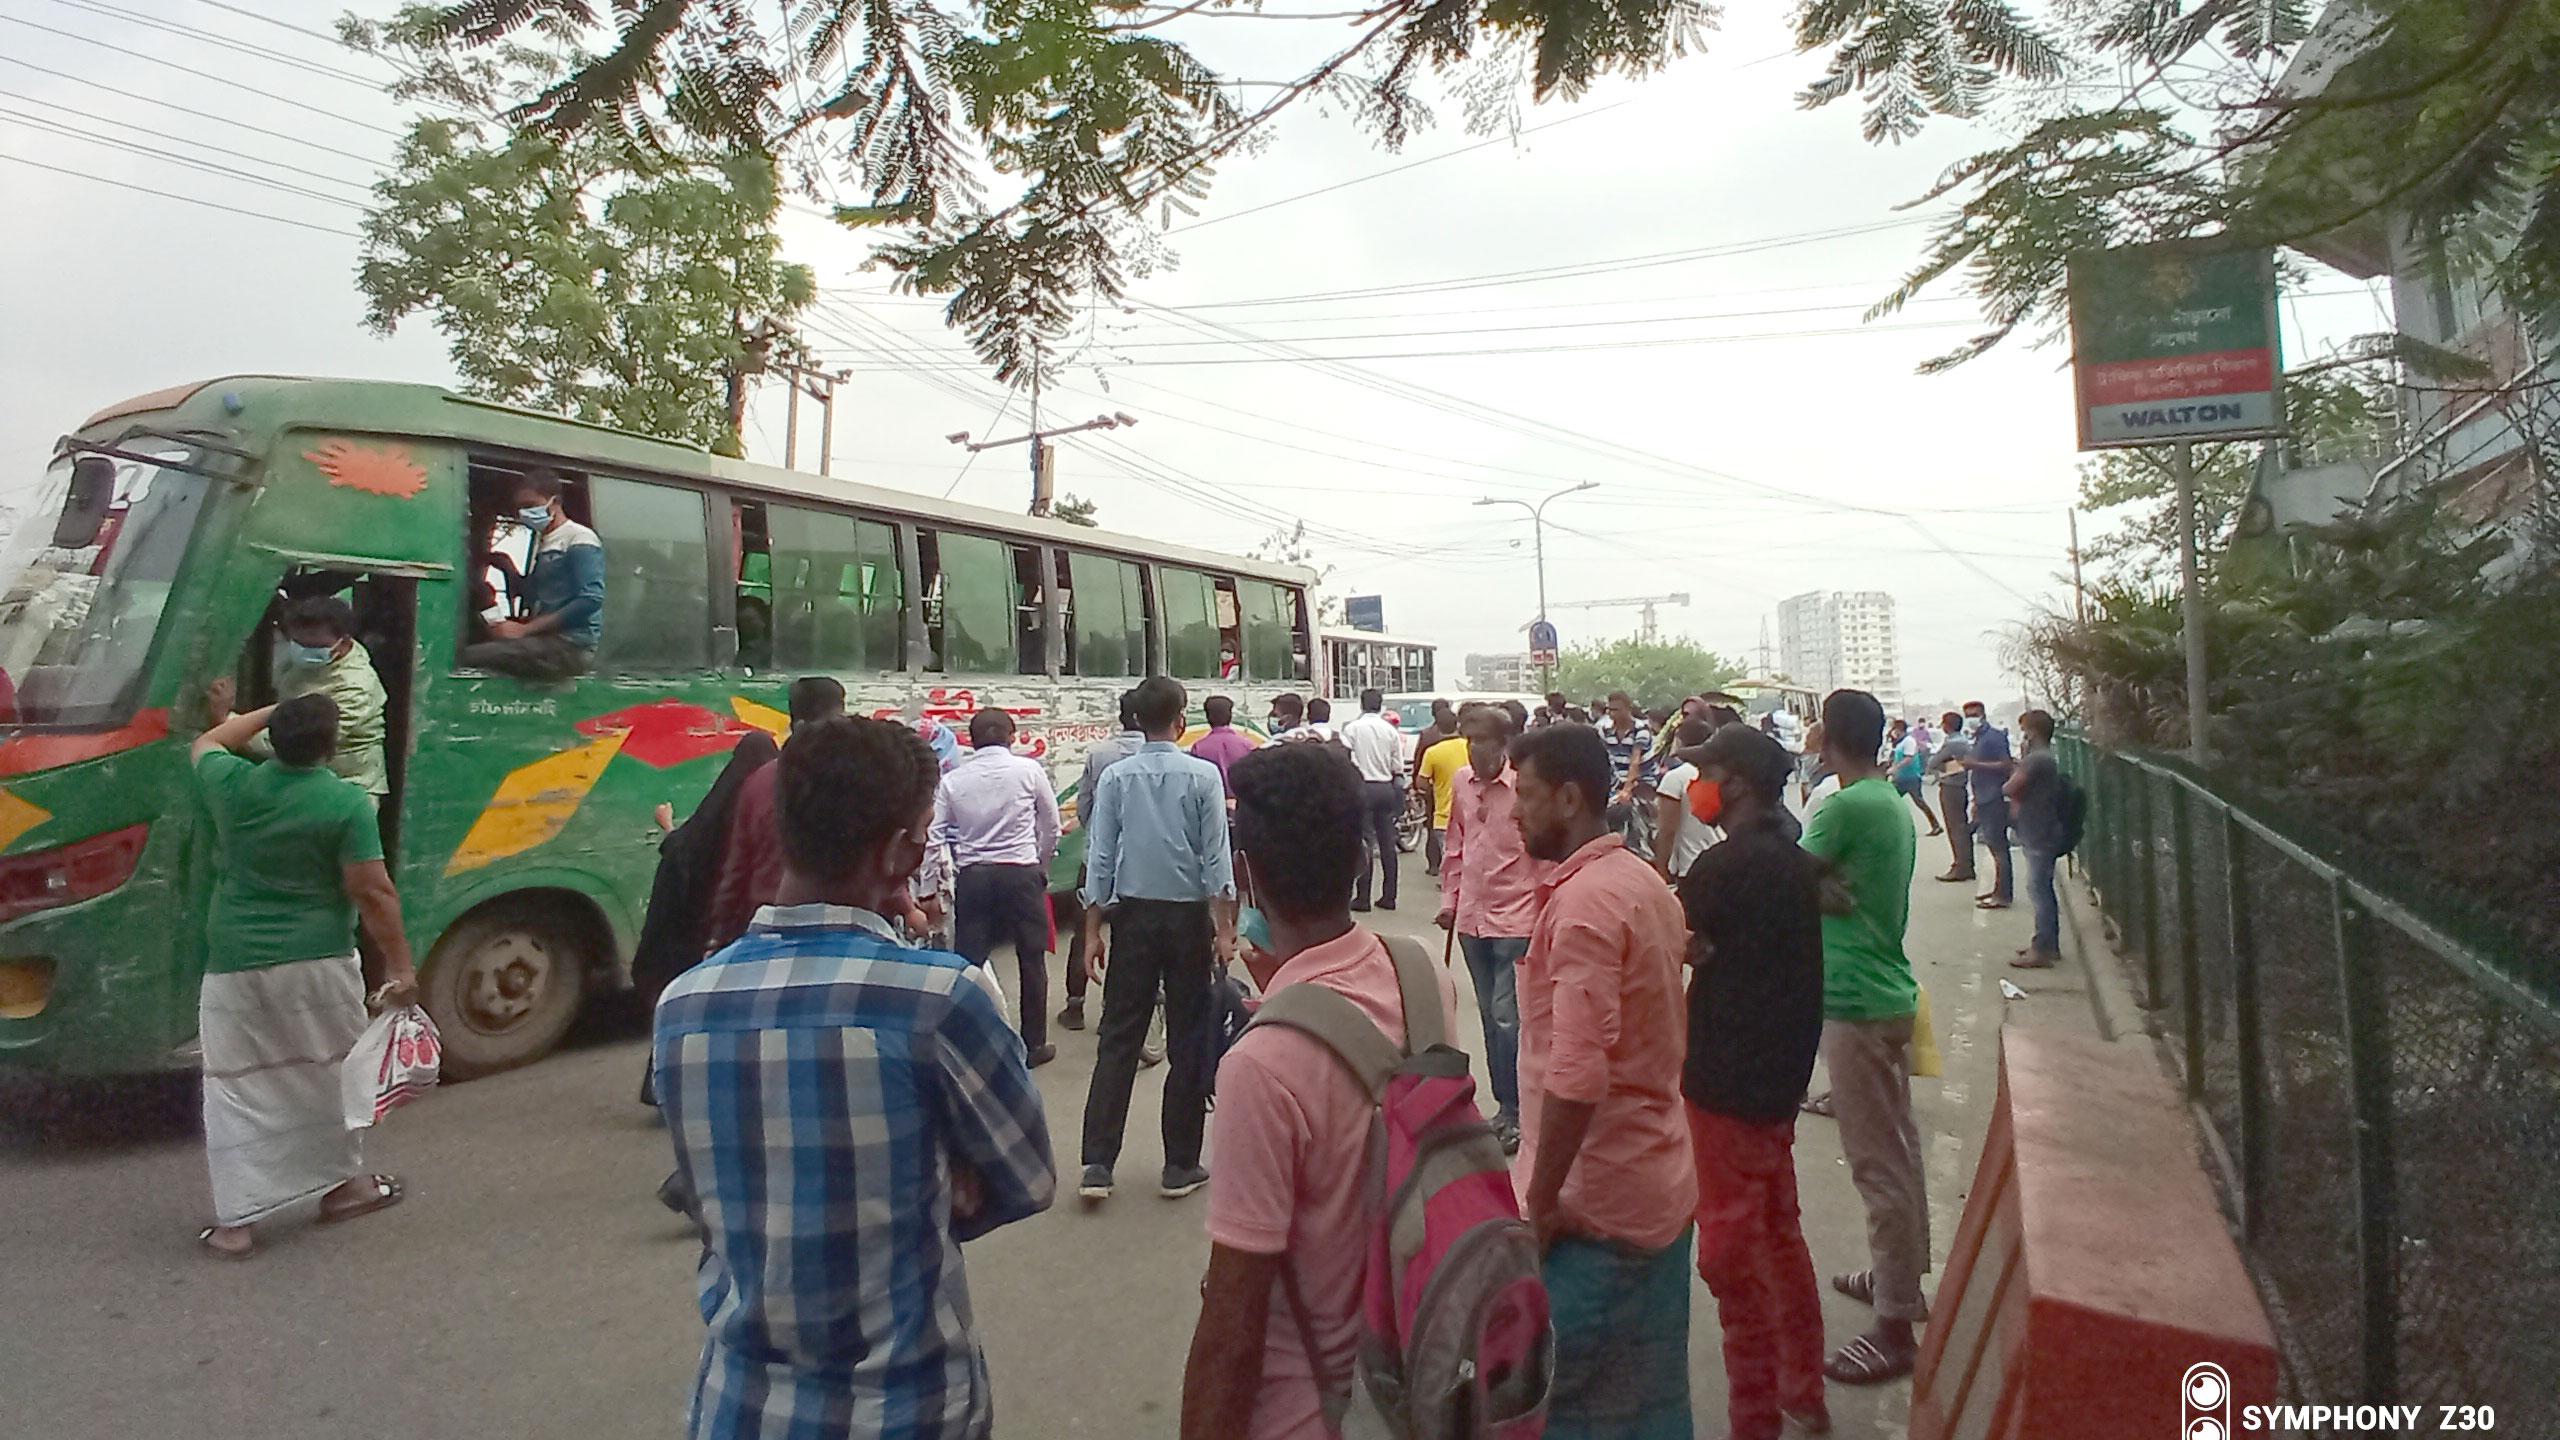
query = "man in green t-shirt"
{"x": 1868, "y": 1002}
{"x": 299, "y": 860}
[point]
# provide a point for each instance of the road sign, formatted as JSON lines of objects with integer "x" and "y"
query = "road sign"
{"x": 1366, "y": 612}
{"x": 2175, "y": 342}
{"x": 1542, "y": 639}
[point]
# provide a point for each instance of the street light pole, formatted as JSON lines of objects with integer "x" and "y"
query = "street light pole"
{"x": 1538, "y": 537}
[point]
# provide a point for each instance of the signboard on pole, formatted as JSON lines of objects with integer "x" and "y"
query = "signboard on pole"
{"x": 1542, "y": 643}
{"x": 2175, "y": 342}
{"x": 1366, "y": 612}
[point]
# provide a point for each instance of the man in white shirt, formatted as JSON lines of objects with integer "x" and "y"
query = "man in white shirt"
{"x": 997, "y": 812}
{"x": 1378, "y": 750}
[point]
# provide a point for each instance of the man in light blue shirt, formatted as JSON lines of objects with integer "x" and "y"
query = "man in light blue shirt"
{"x": 1157, "y": 861}
{"x": 1069, "y": 904}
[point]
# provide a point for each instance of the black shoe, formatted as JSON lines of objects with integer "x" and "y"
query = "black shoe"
{"x": 1040, "y": 1055}
{"x": 1072, "y": 1017}
{"x": 1386, "y": 904}
{"x": 1361, "y": 907}
{"x": 1181, "y": 1180}
{"x": 1097, "y": 1184}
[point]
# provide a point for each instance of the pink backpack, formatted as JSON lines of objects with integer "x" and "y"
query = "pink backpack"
{"x": 1454, "y": 1337}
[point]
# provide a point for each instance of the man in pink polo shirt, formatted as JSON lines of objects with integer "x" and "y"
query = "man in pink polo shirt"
{"x": 1287, "y": 1228}
{"x": 1489, "y": 896}
{"x": 1605, "y": 1172}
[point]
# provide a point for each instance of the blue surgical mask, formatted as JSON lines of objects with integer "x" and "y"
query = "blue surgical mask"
{"x": 309, "y": 654}
{"x": 536, "y": 516}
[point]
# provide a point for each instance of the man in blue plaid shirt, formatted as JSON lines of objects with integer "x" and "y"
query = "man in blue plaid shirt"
{"x": 848, "y": 1111}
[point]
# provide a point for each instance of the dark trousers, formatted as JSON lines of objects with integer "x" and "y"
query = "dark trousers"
{"x": 994, "y": 903}
{"x": 1436, "y": 848}
{"x": 1957, "y": 811}
{"x": 1171, "y": 943}
{"x": 1069, "y": 907}
{"x": 529, "y": 657}
{"x": 1382, "y": 805}
{"x": 1991, "y": 823}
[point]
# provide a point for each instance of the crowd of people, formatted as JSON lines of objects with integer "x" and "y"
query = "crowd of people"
{"x": 1658, "y": 949}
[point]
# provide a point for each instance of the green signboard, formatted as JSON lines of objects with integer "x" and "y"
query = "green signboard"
{"x": 2173, "y": 342}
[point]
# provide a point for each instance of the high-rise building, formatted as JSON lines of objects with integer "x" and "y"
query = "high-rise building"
{"x": 1842, "y": 639}
{"x": 1510, "y": 674}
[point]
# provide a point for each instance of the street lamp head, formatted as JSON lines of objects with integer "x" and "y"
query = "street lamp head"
{"x": 958, "y": 437}
{"x": 1124, "y": 417}
{"x": 1488, "y": 502}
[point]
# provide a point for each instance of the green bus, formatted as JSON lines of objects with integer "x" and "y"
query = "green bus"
{"x": 169, "y": 528}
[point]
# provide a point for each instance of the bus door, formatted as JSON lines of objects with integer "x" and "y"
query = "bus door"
{"x": 383, "y": 600}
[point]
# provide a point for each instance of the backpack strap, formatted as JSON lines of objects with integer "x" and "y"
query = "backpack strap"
{"x": 1340, "y": 1027}
{"x": 1419, "y": 987}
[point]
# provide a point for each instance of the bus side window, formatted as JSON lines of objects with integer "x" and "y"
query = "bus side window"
{"x": 839, "y": 599}
{"x": 1190, "y": 624}
{"x": 1030, "y": 612}
{"x": 1270, "y": 631}
{"x": 1230, "y": 630}
{"x": 751, "y": 570}
{"x": 657, "y": 608}
{"x": 1107, "y": 614}
{"x": 969, "y": 585}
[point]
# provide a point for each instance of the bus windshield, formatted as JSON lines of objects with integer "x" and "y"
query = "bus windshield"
{"x": 77, "y": 622}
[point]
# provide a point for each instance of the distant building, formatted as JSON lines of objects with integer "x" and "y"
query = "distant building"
{"x": 1502, "y": 674}
{"x": 1842, "y": 639}
{"x": 2481, "y": 442}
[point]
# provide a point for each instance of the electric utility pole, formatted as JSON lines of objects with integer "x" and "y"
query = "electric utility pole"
{"x": 1044, "y": 470}
{"x": 821, "y": 387}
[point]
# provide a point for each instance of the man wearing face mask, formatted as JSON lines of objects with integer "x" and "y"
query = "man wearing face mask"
{"x": 1754, "y": 906}
{"x": 317, "y": 654}
{"x": 1988, "y": 771}
{"x": 557, "y": 637}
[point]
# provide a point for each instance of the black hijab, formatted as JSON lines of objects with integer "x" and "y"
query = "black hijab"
{"x": 671, "y": 938}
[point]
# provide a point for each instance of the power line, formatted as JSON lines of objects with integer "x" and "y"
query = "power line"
{"x": 183, "y": 140}
{"x": 1512, "y": 138}
{"x": 1552, "y": 325}
{"x": 128, "y": 50}
{"x": 265, "y": 19}
{"x": 1482, "y": 351}
{"x": 44, "y": 126}
{"x": 1576, "y": 270}
{"x": 209, "y": 37}
{"x": 184, "y": 199}
{"x": 373, "y": 160}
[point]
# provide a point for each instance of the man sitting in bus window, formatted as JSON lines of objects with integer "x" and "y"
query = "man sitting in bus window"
{"x": 318, "y": 654}
{"x": 564, "y": 616}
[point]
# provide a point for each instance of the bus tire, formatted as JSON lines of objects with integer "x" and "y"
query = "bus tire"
{"x": 504, "y": 983}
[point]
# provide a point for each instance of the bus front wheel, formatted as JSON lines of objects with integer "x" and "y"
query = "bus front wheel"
{"x": 503, "y": 985}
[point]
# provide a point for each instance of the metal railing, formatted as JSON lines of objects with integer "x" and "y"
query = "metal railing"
{"x": 2382, "y": 1103}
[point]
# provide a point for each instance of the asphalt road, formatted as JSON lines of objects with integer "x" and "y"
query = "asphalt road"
{"x": 532, "y": 1287}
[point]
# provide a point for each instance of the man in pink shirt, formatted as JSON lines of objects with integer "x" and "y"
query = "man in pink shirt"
{"x": 1489, "y": 896}
{"x": 1605, "y": 1171}
{"x": 1288, "y": 1228}
{"x": 1224, "y": 745}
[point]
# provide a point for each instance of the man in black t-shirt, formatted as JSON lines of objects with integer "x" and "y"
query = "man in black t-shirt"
{"x": 1755, "y": 1020}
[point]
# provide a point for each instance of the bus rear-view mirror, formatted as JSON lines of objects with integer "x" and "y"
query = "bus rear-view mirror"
{"x": 84, "y": 509}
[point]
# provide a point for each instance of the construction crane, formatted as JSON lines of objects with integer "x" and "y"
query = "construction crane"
{"x": 1644, "y": 605}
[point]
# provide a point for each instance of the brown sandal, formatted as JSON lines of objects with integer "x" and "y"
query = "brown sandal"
{"x": 204, "y": 1237}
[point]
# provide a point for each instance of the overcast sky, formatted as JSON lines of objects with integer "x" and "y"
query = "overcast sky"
{"x": 1750, "y": 438}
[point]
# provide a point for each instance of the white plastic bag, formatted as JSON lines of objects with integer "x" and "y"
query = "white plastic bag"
{"x": 394, "y": 1062}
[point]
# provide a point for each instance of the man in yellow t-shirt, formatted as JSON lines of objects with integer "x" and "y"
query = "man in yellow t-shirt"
{"x": 1435, "y": 772}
